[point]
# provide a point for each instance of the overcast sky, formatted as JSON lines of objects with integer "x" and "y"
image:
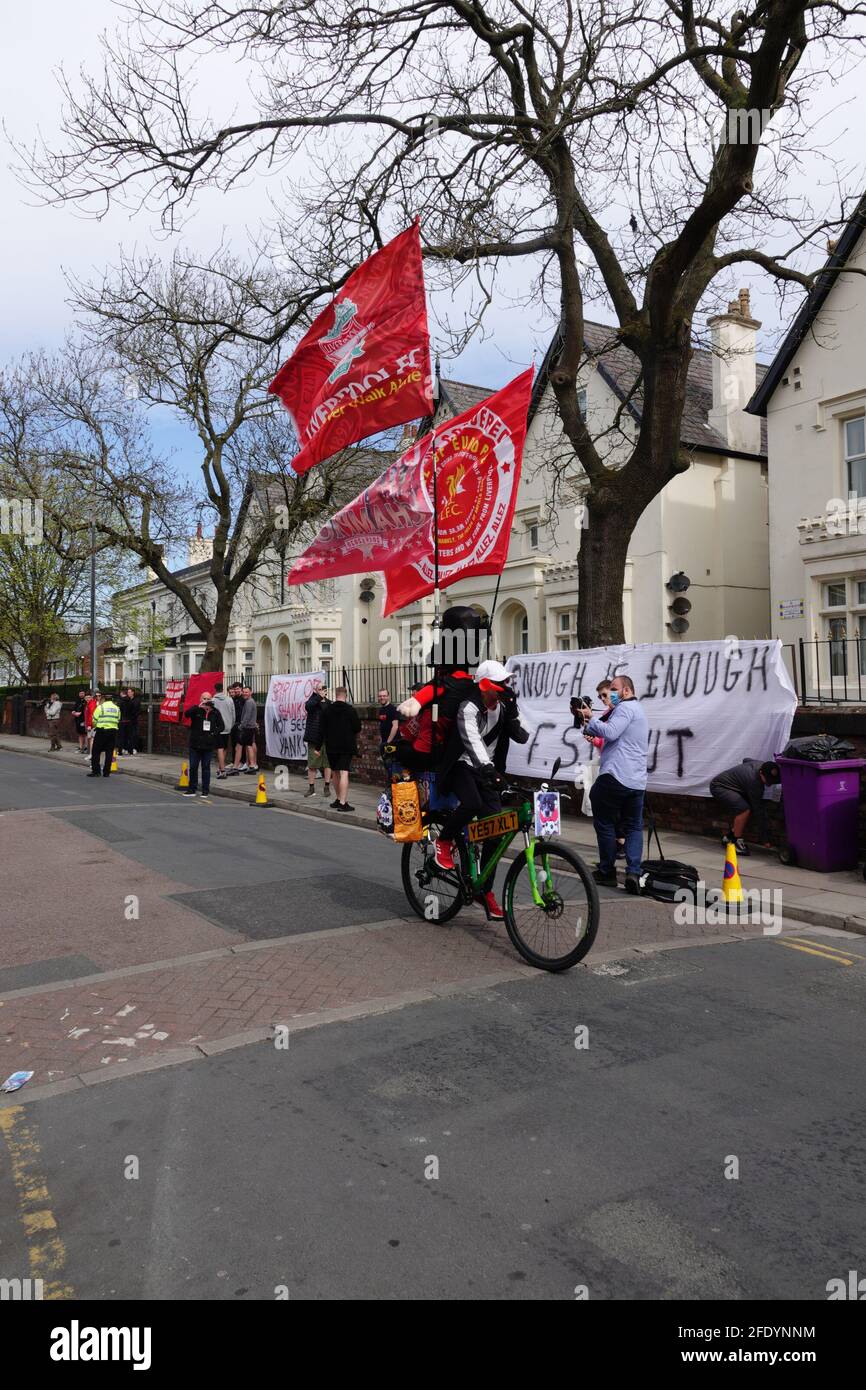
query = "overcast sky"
{"x": 37, "y": 243}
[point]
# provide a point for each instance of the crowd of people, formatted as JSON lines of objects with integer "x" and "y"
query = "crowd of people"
{"x": 477, "y": 720}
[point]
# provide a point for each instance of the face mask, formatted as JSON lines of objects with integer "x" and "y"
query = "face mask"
{"x": 614, "y": 697}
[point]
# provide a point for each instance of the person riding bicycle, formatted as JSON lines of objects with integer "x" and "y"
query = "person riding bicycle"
{"x": 485, "y": 722}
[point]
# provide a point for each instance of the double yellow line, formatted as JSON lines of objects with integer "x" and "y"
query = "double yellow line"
{"x": 46, "y": 1250}
{"x": 811, "y": 947}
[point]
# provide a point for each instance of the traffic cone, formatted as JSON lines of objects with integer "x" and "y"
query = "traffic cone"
{"x": 114, "y": 767}
{"x": 732, "y": 888}
{"x": 261, "y": 794}
{"x": 184, "y": 778}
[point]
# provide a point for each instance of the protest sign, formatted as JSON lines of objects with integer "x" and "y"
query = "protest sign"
{"x": 709, "y": 705}
{"x": 169, "y": 710}
{"x": 285, "y": 715}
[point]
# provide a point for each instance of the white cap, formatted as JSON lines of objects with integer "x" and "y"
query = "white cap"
{"x": 493, "y": 671}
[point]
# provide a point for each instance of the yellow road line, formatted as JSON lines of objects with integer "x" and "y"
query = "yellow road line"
{"x": 825, "y": 946}
{"x": 824, "y": 955}
{"x": 46, "y": 1250}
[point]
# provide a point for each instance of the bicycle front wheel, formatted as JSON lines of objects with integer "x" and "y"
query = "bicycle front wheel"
{"x": 559, "y": 933}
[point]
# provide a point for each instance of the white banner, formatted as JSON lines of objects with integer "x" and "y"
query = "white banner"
{"x": 708, "y": 704}
{"x": 285, "y": 715}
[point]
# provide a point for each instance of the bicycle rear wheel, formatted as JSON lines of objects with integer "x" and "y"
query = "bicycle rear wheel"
{"x": 435, "y": 894}
{"x": 559, "y": 934}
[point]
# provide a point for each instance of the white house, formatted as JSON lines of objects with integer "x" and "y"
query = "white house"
{"x": 709, "y": 524}
{"x": 814, "y": 399}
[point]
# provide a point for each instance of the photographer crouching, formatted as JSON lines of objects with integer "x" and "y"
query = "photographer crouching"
{"x": 618, "y": 792}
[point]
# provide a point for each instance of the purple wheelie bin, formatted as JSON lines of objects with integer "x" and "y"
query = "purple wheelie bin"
{"x": 821, "y": 802}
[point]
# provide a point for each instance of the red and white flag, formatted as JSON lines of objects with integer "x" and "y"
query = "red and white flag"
{"x": 478, "y": 460}
{"x": 389, "y": 526}
{"x": 364, "y": 365}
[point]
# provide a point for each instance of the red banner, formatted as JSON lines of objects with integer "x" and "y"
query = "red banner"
{"x": 478, "y": 458}
{"x": 169, "y": 710}
{"x": 198, "y": 684}
{"x": 364, "y": 365}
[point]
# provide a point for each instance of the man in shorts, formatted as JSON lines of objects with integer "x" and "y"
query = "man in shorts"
{"x": 246, "y": 753}
{"x": 740, "y": 791}
{"x": 226, "y": 707}
{"x": 317, "y": 755}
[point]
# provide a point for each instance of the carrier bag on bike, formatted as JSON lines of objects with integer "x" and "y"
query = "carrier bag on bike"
{"x": 406, "y": 801}
{"x": 663, "y": 878}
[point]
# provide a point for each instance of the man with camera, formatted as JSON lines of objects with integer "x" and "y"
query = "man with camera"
{"x": 618, "y": 793}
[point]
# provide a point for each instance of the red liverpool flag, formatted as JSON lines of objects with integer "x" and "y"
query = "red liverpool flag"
{"x": 364, "y": 365}
{"x": 390, "y": 526}
{"x": 477, "y": 460}
{"x": 391, "y": 514}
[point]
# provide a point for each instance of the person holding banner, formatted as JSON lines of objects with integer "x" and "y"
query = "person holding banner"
{"x": 618, "y": 793}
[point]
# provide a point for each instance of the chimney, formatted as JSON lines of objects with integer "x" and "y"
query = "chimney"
{"x": 198, "y": 547}
{"x": 734, "y": 376}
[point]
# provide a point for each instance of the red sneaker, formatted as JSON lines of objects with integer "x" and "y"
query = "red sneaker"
{"x": 443, "y": 853}
{"x": 491, "y": 907}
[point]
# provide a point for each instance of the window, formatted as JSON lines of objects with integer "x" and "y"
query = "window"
{"x": 581, "y": 403}
{"x": 844, "y": 615}
{"x": 855, "y": 455}
{"x": 532, "y": 535}
{"x": 524, "y": 635}
{"x": 566, "y": 630}
{"x": 325, "y": 648}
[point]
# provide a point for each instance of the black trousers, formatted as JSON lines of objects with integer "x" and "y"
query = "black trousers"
{"x": 128, "y": 730}
{"x": 103, "y": 742}
{"x": 476, "y": 797}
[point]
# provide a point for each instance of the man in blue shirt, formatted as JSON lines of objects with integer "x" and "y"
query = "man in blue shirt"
{"x": 618, "y": 792}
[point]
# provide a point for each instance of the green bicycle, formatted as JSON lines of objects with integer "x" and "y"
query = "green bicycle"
{"x": 550, "y": 900}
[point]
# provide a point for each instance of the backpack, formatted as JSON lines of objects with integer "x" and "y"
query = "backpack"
{"x": 663, "y": 878}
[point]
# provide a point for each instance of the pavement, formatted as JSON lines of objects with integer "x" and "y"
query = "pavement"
{"x": 258, "y": 1075}
{"x": 832, "y": 899}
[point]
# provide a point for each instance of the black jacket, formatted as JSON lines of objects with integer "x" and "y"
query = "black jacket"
{"x": 508, "y": 730}
{"x": 199, "y": 738}
{"x": 315, "y": 707}
{"x": 133, "y": 709}
{"x": 340, "y": 727}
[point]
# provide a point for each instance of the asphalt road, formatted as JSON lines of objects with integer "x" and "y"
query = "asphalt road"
{"x": 557, "y": 1167}
{"x": 706, "y": 1143}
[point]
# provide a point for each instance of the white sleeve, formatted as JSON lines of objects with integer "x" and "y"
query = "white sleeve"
{"x": 470, "y": 734}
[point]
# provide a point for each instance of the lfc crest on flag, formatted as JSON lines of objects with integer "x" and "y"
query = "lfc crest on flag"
{"x": 345, "y": 340}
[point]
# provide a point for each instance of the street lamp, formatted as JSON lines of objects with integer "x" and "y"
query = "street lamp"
{"x": 80, "y": 463}
{"x": 150, "y": 670}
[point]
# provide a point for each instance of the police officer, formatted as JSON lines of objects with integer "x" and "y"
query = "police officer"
{"x": 106, "y": 720}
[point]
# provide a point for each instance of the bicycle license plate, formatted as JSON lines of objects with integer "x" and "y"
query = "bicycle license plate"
{"x": 485, "y": 829}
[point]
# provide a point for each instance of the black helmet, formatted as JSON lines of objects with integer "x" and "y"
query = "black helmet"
{"x": 458, "y": 645}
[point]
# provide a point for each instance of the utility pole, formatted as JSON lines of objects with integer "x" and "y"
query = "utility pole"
{"x": 93, "y": 671}
{"x": 150, "y": 672}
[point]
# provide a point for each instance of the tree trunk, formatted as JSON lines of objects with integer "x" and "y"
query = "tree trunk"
{"x": 601, "y": 569}
{"x": 215, "y": 642}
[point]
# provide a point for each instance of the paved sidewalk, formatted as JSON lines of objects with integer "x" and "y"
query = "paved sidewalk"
{"x": 830, "y": 900}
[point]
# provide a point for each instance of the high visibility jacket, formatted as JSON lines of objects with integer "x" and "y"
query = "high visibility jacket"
{"x": 106, "y": 715}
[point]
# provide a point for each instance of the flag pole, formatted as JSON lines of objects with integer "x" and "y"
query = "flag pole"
{"x": 437, "y": 607}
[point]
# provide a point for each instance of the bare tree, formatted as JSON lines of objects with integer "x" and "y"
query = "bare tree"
{"x": 623, "y": 151}
{"x": 141, "y": 350}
